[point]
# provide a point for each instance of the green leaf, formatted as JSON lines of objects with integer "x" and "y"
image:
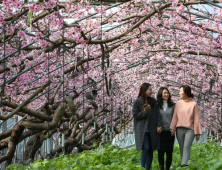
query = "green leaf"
{"x": 65, "y": 159}
{"x": 68, "y": 167}
{"x": 37, "y": 165}
{"x": 46, "y": 161}
{"x": 10, "y": 167}
{"x": 95, "y": 144}
{"x": 78, "y": 162}
{"x": 115, "y": 150}
{"x": 217, "y": 165}
{"x": 107, "y": 145}
{"x": 60, "y": 164}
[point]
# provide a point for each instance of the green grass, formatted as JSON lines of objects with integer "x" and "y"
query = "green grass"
{"x": 203, "y": 157}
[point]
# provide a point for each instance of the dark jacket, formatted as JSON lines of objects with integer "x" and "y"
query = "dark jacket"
{"x": 141, "y": 121}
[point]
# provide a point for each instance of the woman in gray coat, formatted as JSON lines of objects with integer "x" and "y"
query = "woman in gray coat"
{"x": 147, "y": 125}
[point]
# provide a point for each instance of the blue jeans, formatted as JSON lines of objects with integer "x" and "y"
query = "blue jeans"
{"x": 147, "y": 153}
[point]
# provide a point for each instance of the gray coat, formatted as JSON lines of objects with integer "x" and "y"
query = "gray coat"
{"x": 141, "y": 121}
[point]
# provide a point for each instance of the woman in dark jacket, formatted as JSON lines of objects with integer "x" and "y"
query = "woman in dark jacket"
{"x": 147, "y": 125}
{"x": 166, "y": 109}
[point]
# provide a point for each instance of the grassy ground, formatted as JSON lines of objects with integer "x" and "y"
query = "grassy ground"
{"x": 203, "y": 157}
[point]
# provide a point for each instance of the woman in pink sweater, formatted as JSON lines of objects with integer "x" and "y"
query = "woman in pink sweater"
{"x": 186, "y": 123}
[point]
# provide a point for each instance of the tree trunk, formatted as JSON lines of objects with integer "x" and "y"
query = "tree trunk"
{"x": 32, "y": 147}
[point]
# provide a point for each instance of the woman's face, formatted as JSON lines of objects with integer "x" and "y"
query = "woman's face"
{"x": 165, "y": 94}
{"x": 182, "y": 94}
{"x": 149, "y": 92}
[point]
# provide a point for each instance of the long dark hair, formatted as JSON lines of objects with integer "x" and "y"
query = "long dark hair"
{"x": 187, "y": 91}
{"x": 160, "y": 99}
{"x": 151, "y": 101}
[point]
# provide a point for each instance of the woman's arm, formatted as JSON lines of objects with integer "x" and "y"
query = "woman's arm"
{"x": 197, "y": 125}
{"x": 158, "y": 119}
{"x": 138, "y": 114}
{"x": 174, "y": 120}
{"x": 173, "y": 108}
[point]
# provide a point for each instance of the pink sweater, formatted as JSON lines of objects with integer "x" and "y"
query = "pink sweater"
{"x": 186, "y": 114}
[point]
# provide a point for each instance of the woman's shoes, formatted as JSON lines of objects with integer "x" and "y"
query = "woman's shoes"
{"x": 184, "y": 165}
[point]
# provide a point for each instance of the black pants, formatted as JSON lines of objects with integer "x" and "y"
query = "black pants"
{"x": 168, "y": 159}
{"x": 166, "y": 146}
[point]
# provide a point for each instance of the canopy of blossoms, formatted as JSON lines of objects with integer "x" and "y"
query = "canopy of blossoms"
{"x": 55, "y": 53}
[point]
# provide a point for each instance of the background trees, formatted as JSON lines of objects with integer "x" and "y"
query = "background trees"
{"x": 54, "y": 53}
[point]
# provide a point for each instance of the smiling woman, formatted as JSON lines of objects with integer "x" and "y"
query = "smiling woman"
{"x": 147, "y": 125}
{"x": 166, "y": 109}
{"x": 186, "y": 123}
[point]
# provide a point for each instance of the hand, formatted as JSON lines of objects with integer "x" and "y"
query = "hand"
{"x": 197, "y": 137}
{"x": 146, "y": 107}
{"x": 159, "y": 129}
{"x": 172, "y": 132}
